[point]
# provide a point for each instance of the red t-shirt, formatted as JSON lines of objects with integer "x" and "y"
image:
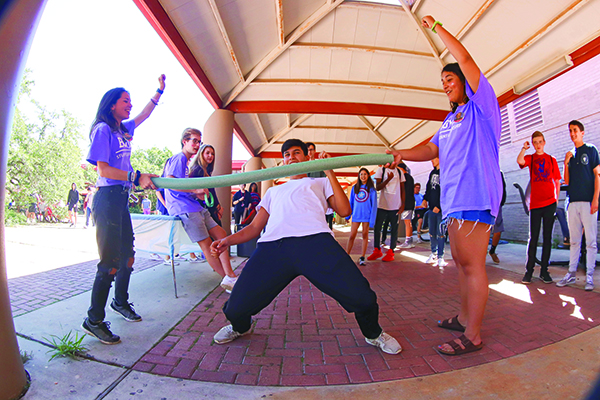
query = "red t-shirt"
{"x": 543, "y": 171}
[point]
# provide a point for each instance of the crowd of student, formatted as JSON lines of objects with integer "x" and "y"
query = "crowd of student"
{"x": 467, "y": 149}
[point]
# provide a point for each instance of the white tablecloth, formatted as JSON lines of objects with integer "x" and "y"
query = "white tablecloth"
{"x": 161, "y": 234}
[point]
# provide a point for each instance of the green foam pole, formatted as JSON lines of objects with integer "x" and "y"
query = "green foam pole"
{"x": 273, "y": 173}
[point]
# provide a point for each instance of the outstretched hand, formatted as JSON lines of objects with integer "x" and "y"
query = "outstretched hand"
{"x": 397, "y": 158}
{"x": 161, "y": 81}
{"x": 218, "y": 246}
{"x": 146, "y": 181}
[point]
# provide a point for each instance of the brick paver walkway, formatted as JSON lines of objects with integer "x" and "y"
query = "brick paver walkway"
{"x": 31, "y": 292}
{"x": 305, "y": 338}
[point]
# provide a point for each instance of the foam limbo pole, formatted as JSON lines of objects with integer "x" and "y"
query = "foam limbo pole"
{"x": 273, "y": 173}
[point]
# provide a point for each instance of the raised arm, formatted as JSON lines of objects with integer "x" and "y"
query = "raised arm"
{"x": 141, "y": 117}
{"x": 339, "y": 201}
{"x": 458, "y": 51}
{"x": 521, "y": 156}
{"x": 568, "y": 157}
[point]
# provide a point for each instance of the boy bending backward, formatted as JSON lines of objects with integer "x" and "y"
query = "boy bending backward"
{"x": 293, "y": 216}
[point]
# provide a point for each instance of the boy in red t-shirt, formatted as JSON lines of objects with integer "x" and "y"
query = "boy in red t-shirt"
{"x": 545, "y": 185}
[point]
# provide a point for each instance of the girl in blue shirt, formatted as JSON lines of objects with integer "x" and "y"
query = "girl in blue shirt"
{"x": 363, "y": 201}
{"x": 467, "y": 144}
{"x": 110, "y": 150}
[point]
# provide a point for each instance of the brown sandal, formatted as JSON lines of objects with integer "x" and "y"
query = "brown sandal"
{"x": 465, "y": 346}
{"x": 452, "y": 324}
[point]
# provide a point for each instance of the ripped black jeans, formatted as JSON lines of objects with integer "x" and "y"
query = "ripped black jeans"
{"x": 114, "y": 235}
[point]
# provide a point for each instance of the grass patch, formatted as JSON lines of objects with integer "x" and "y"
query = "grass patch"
{"x": 26, "y": 356}
{"x": 67, "y": 346}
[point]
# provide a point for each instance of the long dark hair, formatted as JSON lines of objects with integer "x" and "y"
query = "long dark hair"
{"x": 104, "y": 113}
{"x": 253, "y": 188}
{"x": 369, "y": 183}
{"x": 455, "y": 69}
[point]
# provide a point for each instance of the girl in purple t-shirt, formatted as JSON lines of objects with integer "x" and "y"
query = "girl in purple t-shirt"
{"x": 110, "y": 151}
{"x": 467, "y": 145}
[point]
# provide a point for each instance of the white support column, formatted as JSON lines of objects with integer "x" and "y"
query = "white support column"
{"x": 218, "y": 132}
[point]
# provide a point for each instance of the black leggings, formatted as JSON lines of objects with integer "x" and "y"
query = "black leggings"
{"x": 320, "y": 259}
{"x": 536, "y": 217}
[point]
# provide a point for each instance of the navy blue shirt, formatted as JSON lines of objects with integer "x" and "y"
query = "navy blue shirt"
{"x": 581, "y": 173}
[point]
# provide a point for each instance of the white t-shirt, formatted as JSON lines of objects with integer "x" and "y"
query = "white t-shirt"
{"x": 389, "y": 197}
{"x": 296, "y": 208}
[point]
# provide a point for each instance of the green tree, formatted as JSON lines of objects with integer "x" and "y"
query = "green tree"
{"x": 150, "y": 161}
{"x": 44, "y": 155}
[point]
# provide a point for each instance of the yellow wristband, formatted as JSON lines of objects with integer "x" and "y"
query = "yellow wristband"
{"x": 434, "y": 25}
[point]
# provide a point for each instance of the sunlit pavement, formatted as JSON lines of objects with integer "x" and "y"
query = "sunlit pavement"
{"x": 305, "y": 339}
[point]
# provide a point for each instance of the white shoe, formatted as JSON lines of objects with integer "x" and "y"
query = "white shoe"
{"x": 386, "y": 343}
{"x": 228, "y": 282}
{"x": 194, "y": 260}
{"x": 432, "y": 259}
{"x": 406, "y": 245}
{"x": 441, "y": 262}
{"x": 226, "y": 334}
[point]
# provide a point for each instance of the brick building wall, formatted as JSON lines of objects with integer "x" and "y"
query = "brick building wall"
{"x": 573, "y": 95}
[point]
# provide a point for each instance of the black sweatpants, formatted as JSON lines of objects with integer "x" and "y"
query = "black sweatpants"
{"x": 390, "y": 216}
{"x": 536, "y": 217}
{"x": 322, "y": 261}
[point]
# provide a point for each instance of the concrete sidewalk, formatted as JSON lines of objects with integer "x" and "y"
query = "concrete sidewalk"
{"x": 558, "y": 369}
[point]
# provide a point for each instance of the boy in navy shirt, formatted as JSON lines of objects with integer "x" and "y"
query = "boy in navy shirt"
{"x": 582, "y": 174}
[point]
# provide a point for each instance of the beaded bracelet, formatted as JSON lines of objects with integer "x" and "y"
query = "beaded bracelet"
{"x": 159, "y": 90}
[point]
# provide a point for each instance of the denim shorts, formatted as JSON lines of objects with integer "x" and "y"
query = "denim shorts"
{"x": 485, "y": 216}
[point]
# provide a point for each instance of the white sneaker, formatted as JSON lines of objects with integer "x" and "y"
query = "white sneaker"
{"x": 567, "y": 280}
{"x": 432, "y": 259}
{"x": 226, "y": 334}
{"x": 386, "y": 343}
{"x": 441, "y": 262}
{"x": 406, "y": 245}
{"x": 589, "y": 283}
{"x": 228, "y": 282}
{"x": 420, "y": 240}
{"x": 193, "y": 260}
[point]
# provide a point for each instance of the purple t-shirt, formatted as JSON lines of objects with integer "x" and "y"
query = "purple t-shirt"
{"x": 180, "y": 202}
{"x": 113, "y": 148}
{"x": 469, "y": 143}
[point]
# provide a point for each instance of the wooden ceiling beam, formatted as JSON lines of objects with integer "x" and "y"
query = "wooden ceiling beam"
{"x": 366, "y": 49}
{"x": 474, "y": 19}
{"x": 417, "y": 22}
{"x": 283, "y": 132}
{"x": 305, "y": 26}
{"x": 221, "y": 25}
{"x": 328, "y": 82}
{"x": 553, "y": 23}
{"x": 374, "y": 132}
{"x": 337, "y": 108}
{"x": 280, "y": 30}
